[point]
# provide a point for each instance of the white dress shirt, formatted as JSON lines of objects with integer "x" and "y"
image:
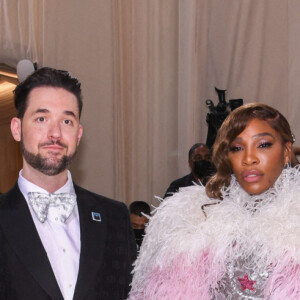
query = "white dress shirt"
{"x": 60, "y": 240}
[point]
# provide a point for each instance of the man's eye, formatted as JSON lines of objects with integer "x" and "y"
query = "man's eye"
{"x": 41, "y": 119}
{"x": 68, "y": 122}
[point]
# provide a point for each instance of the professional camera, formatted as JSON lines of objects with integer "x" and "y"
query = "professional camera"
{"x": 217, "y": 114}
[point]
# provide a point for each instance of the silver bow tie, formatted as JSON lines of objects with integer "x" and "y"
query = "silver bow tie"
{"x": 40, "y": 203}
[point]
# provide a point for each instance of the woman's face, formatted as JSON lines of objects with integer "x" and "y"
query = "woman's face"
{"x": 257, "y": 156}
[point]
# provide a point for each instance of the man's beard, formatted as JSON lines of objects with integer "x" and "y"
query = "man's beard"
{"x": 49, "y": 166}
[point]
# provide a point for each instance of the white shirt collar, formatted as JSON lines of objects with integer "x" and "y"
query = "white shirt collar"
{"x": 27, "y": 186}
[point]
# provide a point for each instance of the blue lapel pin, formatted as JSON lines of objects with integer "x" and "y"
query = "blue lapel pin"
{"x": 96, "y": 216}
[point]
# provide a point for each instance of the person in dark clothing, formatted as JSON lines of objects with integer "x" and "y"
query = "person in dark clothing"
{"x": 201, "y": 169}
{"x": 138, "y": 211}
{"x": 58, "y": 240}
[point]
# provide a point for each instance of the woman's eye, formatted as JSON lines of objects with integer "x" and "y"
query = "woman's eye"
{"x": 235, "y": 148}
{"x": 265, "y": 145}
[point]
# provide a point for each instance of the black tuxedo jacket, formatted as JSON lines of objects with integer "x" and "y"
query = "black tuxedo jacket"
{"x": 107, "y": 251}
{"x": 184, "y": 181}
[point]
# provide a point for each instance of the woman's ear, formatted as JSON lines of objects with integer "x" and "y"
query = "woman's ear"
{"x": 15, "y": 127}
{"x": 288, "y": 153}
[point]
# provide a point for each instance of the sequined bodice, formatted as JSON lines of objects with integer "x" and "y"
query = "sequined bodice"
{"x": 242, "y": 281}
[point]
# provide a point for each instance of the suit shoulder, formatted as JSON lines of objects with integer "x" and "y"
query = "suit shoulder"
{"x": 13, "y": 193}
{"x": 186, "y": 180}
{"x": 2, "y": 199}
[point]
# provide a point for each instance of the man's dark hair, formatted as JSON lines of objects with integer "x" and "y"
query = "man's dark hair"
{"x": 46, "y": 77}
{"x": 139, "y": 207}
{"x": 194, "y": 147}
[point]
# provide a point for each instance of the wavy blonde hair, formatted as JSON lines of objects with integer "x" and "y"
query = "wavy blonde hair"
{"x": 233, "y": 125}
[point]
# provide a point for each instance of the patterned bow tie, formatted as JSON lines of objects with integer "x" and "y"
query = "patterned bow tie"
{"x": 40, "y": 203}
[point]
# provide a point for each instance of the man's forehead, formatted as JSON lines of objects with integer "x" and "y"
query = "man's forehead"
{"x": 135, "y": 218}
{"x": 201, "y": 150}
{"x": 44, "y": 90}
{"x": 45, "y": 97}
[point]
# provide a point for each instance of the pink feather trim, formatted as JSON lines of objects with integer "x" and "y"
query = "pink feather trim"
{"x": 285, "y": 281}
{"x": 180, "y": 280}
{"x": 195, "y": 280}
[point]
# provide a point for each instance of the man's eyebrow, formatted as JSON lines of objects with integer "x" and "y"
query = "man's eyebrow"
{"x": 45, "y": 110}
{"x": 70, "y": 113}
{"x": 41, "y": 110}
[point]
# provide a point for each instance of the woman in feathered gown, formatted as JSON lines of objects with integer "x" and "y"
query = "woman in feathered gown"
{"x": 238, "y": 238}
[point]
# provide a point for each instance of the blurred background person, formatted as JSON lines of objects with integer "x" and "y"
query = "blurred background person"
{"x": 201, "y": 166}
{"x": 138, "y": 210}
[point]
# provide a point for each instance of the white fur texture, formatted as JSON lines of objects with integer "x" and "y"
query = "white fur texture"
{"x": 265, "y": 226}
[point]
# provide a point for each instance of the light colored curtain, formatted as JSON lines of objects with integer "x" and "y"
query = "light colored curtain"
{"x": 145, "y": 100}
{"x": 240, "y": 46}
{"x": 147, "y": 67}
{"x": 20, "y": 24}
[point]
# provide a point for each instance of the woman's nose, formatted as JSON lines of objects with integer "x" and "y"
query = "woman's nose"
{"x": 250, "y": 157}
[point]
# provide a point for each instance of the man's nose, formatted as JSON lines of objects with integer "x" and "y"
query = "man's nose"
{"x": 54, "y": 131}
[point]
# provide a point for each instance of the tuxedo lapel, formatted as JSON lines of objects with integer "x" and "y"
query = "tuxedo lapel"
{"x": 19, "y": 229}
{"x": 93, "y": 236}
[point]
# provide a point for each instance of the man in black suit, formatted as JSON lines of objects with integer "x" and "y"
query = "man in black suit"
{"x": 57, "y": 240}
{"x": 202, "y": 168}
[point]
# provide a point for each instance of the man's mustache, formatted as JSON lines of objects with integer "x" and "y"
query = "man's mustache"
{"x": 59, "y": 143}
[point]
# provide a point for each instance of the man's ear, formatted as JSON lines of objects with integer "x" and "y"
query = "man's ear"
{"x": 15, "y": 127}
{"x": 80, "y": 132}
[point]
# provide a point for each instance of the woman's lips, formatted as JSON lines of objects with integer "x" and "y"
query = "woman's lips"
{"x": 252, "y": 176}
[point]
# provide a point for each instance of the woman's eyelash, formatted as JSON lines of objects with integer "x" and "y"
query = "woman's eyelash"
{"x": 265, "y": 145}
{"x": 235, "y": 148}
{"x": 261, "y": 145}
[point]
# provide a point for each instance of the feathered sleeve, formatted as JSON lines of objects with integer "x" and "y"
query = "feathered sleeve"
{"x": 169, "y": 255}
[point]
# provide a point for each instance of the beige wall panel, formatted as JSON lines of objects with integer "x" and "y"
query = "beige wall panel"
{"x": 78, "y": 37}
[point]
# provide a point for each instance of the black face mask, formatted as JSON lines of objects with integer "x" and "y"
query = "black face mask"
{"x": 204, "y": 168}
{"x": 139, "y": 235}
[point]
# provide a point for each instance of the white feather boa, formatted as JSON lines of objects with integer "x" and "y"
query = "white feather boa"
{"x": 265, "y": 226}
